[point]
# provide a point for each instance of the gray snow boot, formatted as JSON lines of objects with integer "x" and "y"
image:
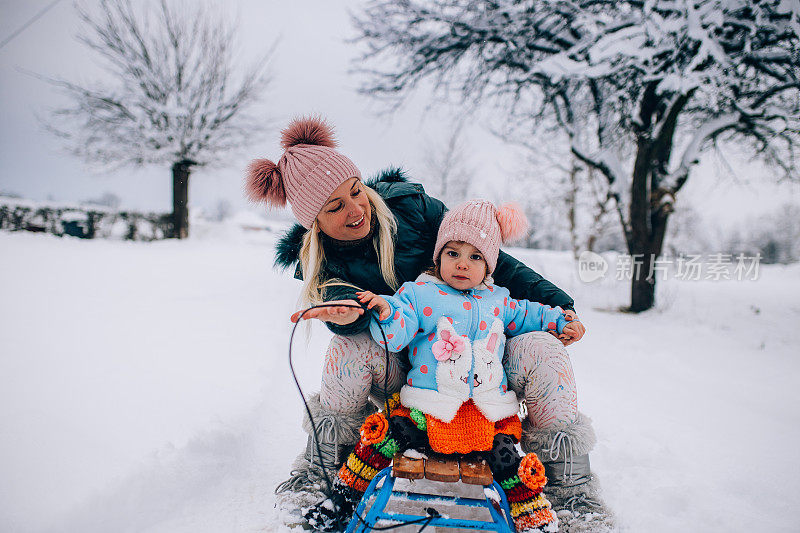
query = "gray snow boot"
{"x": 337, "y": 434}
{"x": 573, "y": 490}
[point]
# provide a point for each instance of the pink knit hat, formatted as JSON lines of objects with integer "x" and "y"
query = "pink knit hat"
{"x": 306, "y": 174}
{"x": 481, "y": 224}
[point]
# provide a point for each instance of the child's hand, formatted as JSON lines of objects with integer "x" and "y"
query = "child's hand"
{"x": 340, "y": 315}
{"x": 373, "y": 300}
{"x": 573, "y": 331}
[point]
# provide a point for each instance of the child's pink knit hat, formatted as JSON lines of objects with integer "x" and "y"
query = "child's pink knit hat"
{"x": 306, "y": 174}
{"x": 481, "y": 224}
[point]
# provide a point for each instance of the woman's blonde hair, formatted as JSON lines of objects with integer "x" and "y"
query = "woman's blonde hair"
{"x": 312, "y": 254}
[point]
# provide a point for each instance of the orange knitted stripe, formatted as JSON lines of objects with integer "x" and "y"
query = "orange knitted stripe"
{"x": 510, "y": 426}
{"x": 401, "y": 410}
{"x": 469, "y": 431}
{"x": 533, "y": 520}
{"x": 352, "y": 480}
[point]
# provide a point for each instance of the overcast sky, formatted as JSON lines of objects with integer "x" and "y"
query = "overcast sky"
{"x": 310, "y": 69}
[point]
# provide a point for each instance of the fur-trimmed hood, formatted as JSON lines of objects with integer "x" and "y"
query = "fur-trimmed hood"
{"x": 287, "y": 251}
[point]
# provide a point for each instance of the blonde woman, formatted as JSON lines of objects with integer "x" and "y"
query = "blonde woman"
{"x": 354, "y": 236}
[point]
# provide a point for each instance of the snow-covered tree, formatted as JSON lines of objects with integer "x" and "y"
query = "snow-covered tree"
{"x": 639, "y": 88}
{"x": 448, "y": 167}
{"x": 175, "y": 97}
{"x": 555, "y": 180}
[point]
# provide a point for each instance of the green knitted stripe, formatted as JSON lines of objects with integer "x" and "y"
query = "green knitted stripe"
{"x": 510, "y": 483}
{"x": 388, "y": 448}
{"x": 419, "y": 419}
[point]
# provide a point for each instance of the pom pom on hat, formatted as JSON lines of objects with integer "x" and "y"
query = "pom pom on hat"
{"x": 307, "y": 130}
{"x": 264, "y": 183}
{"x": 306, "y": 174}
{"x": 513, "y": 223}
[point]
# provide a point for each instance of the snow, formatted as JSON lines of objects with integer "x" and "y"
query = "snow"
{"x": 691, "y": 153}
{"x": 492, "y": 494}
{"x": 630, "y": 41}
{"x": 145, "y": 387}
{"x": 414, "y": 454}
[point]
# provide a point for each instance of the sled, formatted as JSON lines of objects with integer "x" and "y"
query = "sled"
{"x": 469, "y": 469}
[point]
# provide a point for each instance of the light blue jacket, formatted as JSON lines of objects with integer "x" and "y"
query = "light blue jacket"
{"x": 429, "y": 316}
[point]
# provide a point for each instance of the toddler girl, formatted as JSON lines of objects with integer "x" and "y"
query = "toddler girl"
{"x": 456, "y": 399}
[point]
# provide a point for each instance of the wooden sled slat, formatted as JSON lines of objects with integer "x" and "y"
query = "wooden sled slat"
{"x": 442, "y": 468}
{"x": 471, "y": 469}
{"x": 475, "y": 471}
{"x": 408, "y": 468}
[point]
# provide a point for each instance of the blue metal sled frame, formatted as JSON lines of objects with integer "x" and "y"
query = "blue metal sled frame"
{"x": 376, "y": 512}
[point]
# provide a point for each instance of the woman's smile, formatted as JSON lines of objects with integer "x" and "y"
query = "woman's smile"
{"x": 357, "y": 224}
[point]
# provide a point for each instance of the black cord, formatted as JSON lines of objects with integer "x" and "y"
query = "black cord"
{"x": 432, "y": 513}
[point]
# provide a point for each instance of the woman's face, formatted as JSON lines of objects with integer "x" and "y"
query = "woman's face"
{"x": 461, "y": 265}
{"x": 347, "y": 213}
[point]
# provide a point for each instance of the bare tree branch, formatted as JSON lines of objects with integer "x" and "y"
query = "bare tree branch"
{"x": 175, "y": 98}
{"x": 175, "y": 94}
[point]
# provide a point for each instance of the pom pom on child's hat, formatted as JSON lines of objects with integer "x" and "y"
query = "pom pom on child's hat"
{"x": 305, "y": 175}
{"x": 484, "y": 226}
{"x": 513, "y": 224}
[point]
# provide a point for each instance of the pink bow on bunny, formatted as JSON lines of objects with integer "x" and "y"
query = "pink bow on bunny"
{"x": 447, "y": 346}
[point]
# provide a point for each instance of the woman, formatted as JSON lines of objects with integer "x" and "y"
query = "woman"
{"x": 355, "y": 236}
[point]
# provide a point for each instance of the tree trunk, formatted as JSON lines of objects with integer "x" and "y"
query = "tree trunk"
{"x": 180, "y": 198}
{"x": 648, "y": 203}
{"x": 640, "y": 240}
{"x": 643, "y": 288}
{"x": 571, "y": 201}
{"x": 644, "y": 253}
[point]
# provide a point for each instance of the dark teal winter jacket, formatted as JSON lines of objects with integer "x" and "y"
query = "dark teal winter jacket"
{"x": 418, "y": 217}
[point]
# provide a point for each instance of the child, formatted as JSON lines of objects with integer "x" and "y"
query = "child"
{"x": 456, "y": 397}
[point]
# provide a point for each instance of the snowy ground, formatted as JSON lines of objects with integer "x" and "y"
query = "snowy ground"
{"x": 145, "y": 387}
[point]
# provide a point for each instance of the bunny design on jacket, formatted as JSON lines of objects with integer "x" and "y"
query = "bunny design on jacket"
{"x": 456, "y": 341}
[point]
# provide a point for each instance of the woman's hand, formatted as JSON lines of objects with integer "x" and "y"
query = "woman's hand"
{"x": 337, "y": 314}
{"x": 573, "y": 331}
{"x": 373, "y": 300}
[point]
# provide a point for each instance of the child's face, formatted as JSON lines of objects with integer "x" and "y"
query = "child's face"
{"x": 462, "y": 265}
